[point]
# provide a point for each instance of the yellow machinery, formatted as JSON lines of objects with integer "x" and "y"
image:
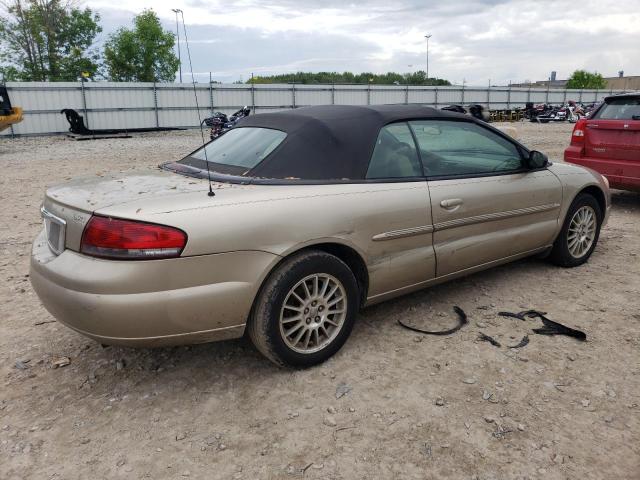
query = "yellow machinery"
{"x": 8, "y": 114}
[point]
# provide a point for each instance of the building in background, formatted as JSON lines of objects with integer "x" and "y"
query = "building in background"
{"x": 613, "y": 83}
{"x": 623, "y": 83}
{"x": 552, "y": 83}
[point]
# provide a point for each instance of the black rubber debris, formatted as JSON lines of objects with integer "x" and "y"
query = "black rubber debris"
{"x": 462, "y": 317}
{"x": 523, "y": 343}
{"x": 77, "y": 126}
{"x": 486, "y": 338}
{"x": 550, "y": 327}
{"x": 521, "y": 315}
{"x": 555, "y": 328}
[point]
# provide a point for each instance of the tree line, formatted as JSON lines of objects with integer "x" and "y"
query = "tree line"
{"x": 389, "y": 78}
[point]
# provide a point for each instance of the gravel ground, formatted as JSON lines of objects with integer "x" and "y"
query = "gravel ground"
{"x": 415, "y": 406}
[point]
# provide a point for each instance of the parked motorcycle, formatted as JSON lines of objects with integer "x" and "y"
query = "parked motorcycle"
{"x": 479, "y": 112}
{"x": 577, "y": 109}
{"x": 590, "y": 108}
{"x": 569, "y": 112}
{"x": 475, "y": 110}
{"x": 455, "y": 108}
{"x": 220, "y": 122}
{"x": 532, "y": 112}
{"x": 552, "y": 114}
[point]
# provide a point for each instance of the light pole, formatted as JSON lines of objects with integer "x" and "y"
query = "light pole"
{"x": 428, "y": 36}
{"x": 176, "y": 11}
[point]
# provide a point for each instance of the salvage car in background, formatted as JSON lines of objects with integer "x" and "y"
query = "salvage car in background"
{"x": 608, "y": 141}
{"x": 315, "y": 213}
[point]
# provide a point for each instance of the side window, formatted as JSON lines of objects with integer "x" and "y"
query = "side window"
{"x": 395, "y": 154}
{"x": 463, "y": 148}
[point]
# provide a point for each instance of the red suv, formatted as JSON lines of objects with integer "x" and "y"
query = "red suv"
{"x": 609, "y": 141}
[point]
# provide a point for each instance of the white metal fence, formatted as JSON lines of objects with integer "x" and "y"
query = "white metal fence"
{"x": 143, "y": 105}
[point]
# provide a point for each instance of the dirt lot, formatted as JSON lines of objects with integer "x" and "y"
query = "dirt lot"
{"x": 419, "y": 407}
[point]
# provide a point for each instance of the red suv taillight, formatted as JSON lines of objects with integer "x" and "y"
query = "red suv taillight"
{"x": 114, "y": 238}
{"x": 577, "y": 137}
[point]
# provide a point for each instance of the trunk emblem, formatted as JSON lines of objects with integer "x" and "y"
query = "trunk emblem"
{"x": 626, "y": 125}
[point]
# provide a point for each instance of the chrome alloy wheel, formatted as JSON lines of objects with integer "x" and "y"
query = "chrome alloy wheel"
{"x": 313, "y": 313}
{"x": 582, "y": 231}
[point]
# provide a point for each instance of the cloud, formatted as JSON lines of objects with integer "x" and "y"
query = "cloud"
{"x": 474, "y": 40}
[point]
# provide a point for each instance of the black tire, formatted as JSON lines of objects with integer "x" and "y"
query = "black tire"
{"x": 264, "y": 325}
{"x": 560, "y": 254}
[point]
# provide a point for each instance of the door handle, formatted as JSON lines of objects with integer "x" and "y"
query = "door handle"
{"x": 451, "y": 203}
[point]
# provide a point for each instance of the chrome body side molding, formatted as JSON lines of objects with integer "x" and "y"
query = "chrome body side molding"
{"x": 405, "y": 232}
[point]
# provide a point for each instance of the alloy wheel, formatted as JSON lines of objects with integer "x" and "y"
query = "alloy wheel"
{"x": 313, "y": 313}
{"x": 582, "y": 231}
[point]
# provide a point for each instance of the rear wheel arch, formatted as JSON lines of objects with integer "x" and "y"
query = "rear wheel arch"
{"x": 354, "y": 261}
{"x": 349, "y": 255}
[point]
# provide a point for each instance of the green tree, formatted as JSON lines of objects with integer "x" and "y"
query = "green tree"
{"x": 144, "y": 54}
{"x": 47, "y": 40}
{"x": 583, "y": 79}
{"x": 389, "y": 78}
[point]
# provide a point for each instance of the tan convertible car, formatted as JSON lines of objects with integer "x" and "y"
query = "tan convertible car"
{"x": 308, "y": 216}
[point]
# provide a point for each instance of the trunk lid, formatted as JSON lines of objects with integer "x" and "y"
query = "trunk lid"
{"x": 68, "y": 207}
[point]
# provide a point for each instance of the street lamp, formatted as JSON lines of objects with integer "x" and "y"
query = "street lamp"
{"x": 428, "y": 36}
{"x": 176, "y": 11}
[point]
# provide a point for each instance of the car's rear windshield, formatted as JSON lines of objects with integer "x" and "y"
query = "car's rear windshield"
{"x": 626, "y": 108}
{"x": 237, "y": 151}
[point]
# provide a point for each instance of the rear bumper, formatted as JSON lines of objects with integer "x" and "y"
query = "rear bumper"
{"x": 149, "y": 303}
{"x": 622, "y": 174}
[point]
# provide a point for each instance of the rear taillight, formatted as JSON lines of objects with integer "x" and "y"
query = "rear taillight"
{"x": 577, "y": 137}
{"x": 130, "y": 240}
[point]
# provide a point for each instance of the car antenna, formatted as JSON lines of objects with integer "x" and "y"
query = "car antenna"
{"x": 195, "y": 94}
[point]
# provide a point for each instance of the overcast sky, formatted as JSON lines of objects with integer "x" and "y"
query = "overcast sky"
{"x": 474, "y": 40}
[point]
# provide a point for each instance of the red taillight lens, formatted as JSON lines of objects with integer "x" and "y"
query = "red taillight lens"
{"x": 577, "y": 137}
{"x": 130, "y": 240}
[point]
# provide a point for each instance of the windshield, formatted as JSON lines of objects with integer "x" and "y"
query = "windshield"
{"x": 237, "y": 151}
{"x": 626, "y": 108}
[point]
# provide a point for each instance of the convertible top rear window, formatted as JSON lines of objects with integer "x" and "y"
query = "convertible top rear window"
{"x": 237, "y": 151}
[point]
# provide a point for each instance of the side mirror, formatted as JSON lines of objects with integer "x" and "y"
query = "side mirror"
{"x": 537, "y": 160}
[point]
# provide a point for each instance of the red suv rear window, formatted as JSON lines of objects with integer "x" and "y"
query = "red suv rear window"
{"x": 625, "y": 108}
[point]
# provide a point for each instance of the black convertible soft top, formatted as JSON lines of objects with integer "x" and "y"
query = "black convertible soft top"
{"x": 332, "y": 141}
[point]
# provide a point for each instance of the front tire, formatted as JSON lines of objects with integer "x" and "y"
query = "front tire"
{"x": 305, "y": 311}
{"x": 579, "y": 234}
